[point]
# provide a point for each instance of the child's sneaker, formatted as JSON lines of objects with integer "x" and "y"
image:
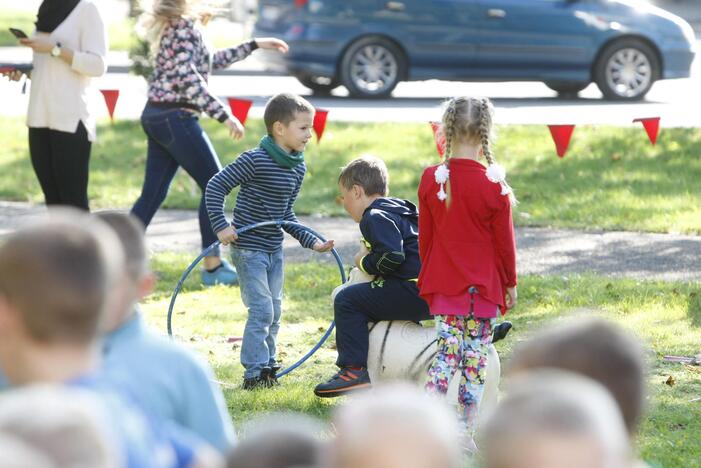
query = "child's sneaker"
{"x": 346, "y": 380}
{"x": 500, "y": 331}
{"x": 251, "y": 383}
{"x": 268, "y": 376}
{"x": 223, "y": 274}
{"x": 271, "y": 374}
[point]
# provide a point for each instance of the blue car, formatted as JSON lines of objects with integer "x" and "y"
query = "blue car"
{"x": 369, "y": 46}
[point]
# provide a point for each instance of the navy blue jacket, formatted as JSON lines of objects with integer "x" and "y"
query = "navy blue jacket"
{"x": 390, "y": 228}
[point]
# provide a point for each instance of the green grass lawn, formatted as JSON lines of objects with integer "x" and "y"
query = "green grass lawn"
{"x": 612, "y": 178}
{"x": 666, "y": 316}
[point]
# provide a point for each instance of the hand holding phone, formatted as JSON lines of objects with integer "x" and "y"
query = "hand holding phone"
{"x": 18, "y": 33}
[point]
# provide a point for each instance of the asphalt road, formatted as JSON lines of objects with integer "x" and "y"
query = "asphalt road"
{"x": 675, "y": 101}
{"x": 540, "y": 250}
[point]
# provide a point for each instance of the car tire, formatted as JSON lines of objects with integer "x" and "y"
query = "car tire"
{"x": 626, "y": 70}
{"x": 372, "y": 67}
{"x": 566, "y": 89}
{"x": 318, "y": 84}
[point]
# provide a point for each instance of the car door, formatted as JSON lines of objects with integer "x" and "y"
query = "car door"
{"x": 534, "y": 39}
{"x": 440, "y": 36}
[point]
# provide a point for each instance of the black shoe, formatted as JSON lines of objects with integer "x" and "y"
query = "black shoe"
{"x": 274, "y": 369}
{"x": 268, "y": 376}
{"x": 262, "y": 381}
{"x": 251, "y": 383}
{"x": 345, "y": 381}
{"x": 501, "y": 330}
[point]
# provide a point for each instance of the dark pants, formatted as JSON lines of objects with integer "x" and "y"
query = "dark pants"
{"x": 61, "y": 163}
{"x": 359, "y": 304}
{"x": 175, "y": 139}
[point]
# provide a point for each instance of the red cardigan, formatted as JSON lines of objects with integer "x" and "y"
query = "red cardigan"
{"x": 468, "y": 242}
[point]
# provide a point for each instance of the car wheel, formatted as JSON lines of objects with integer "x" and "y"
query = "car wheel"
{"x": 626, "y": 70}
{"x": 372, "y": 67}
{"x": 566, "y": 88}
{"x": 318, "y": 84}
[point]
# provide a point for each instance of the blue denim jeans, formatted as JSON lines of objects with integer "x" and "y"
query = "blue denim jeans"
{"x": 261, "y": 278}
{"x": 175, "y": 139}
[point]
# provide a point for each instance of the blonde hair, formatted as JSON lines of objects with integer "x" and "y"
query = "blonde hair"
{"x": 156, "y": 14}
{"x": 470, "y": 120}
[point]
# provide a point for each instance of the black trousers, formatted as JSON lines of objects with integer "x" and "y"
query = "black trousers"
{"x": 359, "y": 304}
{"x": 61, "y": 161}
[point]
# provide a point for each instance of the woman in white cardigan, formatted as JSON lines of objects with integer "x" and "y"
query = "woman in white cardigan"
{"x": 70, "y": 45}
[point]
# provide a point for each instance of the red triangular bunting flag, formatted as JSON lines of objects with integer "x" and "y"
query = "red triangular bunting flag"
{"x": 561, "y": 135}
{"x": 240, "y": 108}
{"x": 652, "y": 127}
{"x": 320, "y": 122}
{"x": 439, "y": 137}
{"x": 111, "y": 96}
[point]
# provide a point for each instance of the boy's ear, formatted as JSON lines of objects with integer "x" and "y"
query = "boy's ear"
{"x": 278, "y": 129}
{"x": 146, "y": 286}
{"x": 358, "y": 191}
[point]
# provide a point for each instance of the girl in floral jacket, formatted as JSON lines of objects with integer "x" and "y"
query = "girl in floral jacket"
{"x": 177, "y": 94}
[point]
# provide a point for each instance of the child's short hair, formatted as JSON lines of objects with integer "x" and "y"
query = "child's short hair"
{"x": 283, "y": 107}
{"x": 368, "y": 172}
{"x": 543, "y": 412}
{"x": 55, "y": 426}
{"x": 130, "y": 232}
{"x": 57, "y": 275}
{"x": 278, "y": 441}
{"x": 395, "y": 425}
{"x": 597, "y": 349}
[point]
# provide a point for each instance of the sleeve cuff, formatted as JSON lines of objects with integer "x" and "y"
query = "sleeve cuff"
{"x": 253, "y": 44}
{"x": 220, "y": 226}
{"x": 223, "y": 117}
{"x": 362, "y": 266}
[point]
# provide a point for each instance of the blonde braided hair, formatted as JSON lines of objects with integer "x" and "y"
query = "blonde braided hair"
{"x": 470, "y": 119}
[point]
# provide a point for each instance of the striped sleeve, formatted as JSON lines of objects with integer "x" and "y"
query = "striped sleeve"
{"x": 305, "y": 238}
{"x": 241, "y": 170}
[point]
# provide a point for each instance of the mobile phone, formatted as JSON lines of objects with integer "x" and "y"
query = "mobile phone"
{"x": 18, "y": 33}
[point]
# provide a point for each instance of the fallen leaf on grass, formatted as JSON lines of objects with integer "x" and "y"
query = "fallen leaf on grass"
{"x": 670, "y": 381}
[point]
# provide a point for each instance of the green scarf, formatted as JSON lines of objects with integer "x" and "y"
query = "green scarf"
{"x": 279, "y": 155}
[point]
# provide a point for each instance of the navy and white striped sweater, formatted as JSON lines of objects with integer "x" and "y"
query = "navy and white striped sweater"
{"x": 268, "y": 192}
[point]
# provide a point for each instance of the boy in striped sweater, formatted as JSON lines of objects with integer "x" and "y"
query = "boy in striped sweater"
{"x": 270, "y": 177}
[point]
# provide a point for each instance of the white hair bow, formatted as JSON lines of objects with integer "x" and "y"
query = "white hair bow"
{"x": 442, "y": 173}
{"x": 497, "y": 174}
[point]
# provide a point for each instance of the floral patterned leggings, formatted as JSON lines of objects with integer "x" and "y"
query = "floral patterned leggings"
{"x": 462, "y": 343}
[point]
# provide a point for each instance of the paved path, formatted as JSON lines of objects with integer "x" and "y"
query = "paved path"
{"x": 540, "y": 250}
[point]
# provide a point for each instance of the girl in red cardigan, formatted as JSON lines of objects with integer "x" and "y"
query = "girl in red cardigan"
{"x": 467, "y": 250}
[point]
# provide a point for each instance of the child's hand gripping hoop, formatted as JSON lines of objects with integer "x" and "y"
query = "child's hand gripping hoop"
{"x": 206, "y": 251}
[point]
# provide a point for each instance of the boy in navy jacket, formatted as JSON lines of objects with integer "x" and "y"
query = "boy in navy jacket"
{"x": 389, "y": 227}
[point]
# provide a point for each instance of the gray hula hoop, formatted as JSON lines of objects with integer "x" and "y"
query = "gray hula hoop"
{"x": 250, "y": 227}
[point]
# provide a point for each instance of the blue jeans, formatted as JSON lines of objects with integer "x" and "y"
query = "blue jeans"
{"x": 175, "y": 139}
{"x": 261, "y": 278}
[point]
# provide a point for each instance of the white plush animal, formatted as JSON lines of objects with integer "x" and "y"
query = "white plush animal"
{"x": 402, "y": 350}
